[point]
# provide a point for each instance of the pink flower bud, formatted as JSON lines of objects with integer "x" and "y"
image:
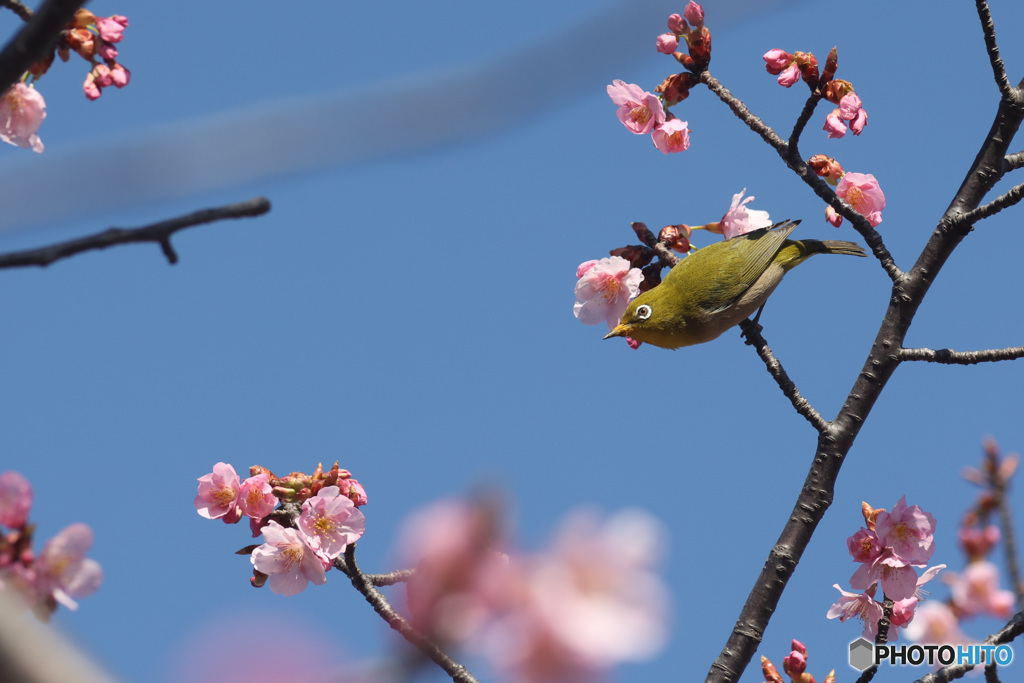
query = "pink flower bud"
{"x": 694, "y": 14}
{"x": 667, "y": 43}
{"x": 101, "y": 74}
{"x": 789, "y": 75}
{"x": 111, "y": 29}
{"x": 120, "y": 76}
{"x": 676, "y": 24}
{"x": 89, "y": 87}
{"x": 834, "y": 125}
{"x": 777, "y": 60}
{"x": 833, "y": 217}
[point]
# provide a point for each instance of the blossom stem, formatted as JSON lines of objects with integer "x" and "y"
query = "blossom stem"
{"x": 159, "y": 233}
{"x": 396, "y": 621}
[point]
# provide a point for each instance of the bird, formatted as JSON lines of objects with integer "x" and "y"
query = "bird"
{"x": 719, "y": 285}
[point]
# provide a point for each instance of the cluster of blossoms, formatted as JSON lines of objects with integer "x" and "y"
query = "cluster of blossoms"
{"x": 792, "y": 67}
{"x": 976, "y": 590}
{"x": 795, "y": 666}
{"x": 860, "y": 190}
{"x": 306, "y": 520}
{"x": 60, "y": 572}
{"x": 605, "y": 287}
{"x": 22, "y": 107}
{"x": 590, "y": 602}
{"x": 888, "y": 549}
{"x": 642, "y": 112}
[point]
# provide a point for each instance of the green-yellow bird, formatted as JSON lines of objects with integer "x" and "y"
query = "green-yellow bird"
{"x": 718, "y": 286}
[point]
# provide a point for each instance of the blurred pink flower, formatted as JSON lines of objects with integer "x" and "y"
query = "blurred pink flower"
{"x": 935, "y": 624}
{"x": 694, "y": 14}
{"x": 976, "y": 591}
{"x": 63, "y": 570}
{"x": 218, "y": 494}
{"x": 676, "y": 24}
{"x": 604, "y": 291}
{"x": 671, "y": 136}
{"x": 15, "y": 499}
{"x": 288, "y": 560}
{"x": 639, "y": 111}
{"x": 909, "y": 531}
{"x": 330, "y": 522}
{"x": 89, "y": 87}
{"x": 22, "y": 110}
{"x": 120, "y": 76}
{"x": 739, "y": 220}
{"x": 256, "y": 497}
{"x": 667, "y": 43}
{"x": 862, "y": 192}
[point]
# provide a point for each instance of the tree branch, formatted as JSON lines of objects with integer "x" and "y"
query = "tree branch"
{"x": 159, "y": 233}
{"x": 1011, "y": 197}
{"x": 988, "y": 27}
{"x": 791, "y": 156}
{"x": 951, "y": 357}
{"x": 381, "y": 606}
{"x": 803, "y": 119}
{"x": 389, "y": 579}
{"x": 1013, "y": 161}
{"x": 1005, "y": 635}
{"x": 16, "y": 6}
{"x": 752, "y": 332}
{"x": 34, "y": 41}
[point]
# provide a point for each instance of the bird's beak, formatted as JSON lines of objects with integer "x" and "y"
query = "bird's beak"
{"x": 619, "y": 331}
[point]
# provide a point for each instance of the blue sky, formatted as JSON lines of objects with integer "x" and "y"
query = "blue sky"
{"x": 406, "y": 306}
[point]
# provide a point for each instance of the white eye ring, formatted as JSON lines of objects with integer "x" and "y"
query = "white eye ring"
{"x": 643, "y": 312}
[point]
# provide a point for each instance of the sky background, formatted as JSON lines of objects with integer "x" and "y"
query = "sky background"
{"x": 406, "y": 307}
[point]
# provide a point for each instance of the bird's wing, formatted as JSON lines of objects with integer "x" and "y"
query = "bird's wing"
{"x": 760, "y": 248}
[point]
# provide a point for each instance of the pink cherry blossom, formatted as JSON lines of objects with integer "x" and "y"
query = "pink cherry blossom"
{"x": 859, "y": 121}
{"x": 288, "y": 560}
{"x": 605, "y": 290}
{"x": 667, "y": 43}
{"x": 860, "y": 606}
{"x": 218, "y": 494}
{"x": 330, "y": 522}
{"x": 789, "y": 76}
{"x": 897, "y": 577}
{"x": 582, "y": 269}
{"x": 15, "y": 499}
{"x": 671, "y": 136}
{"x": 63, "y": 570}
{"x": 694, "y": 14}
{"x": 977, "y": 591}
{"x": 107, "y": 51}
{"x": 353, "y": 490}
{"x": 849, "y": 105}
{"x": 864, "y": 546}
{"x": 739, "y": 220}
{"x": 111, "y": 29}
{"x": 256, "y": 497}
{"x": 862, "y": 192}
{"x": 909, "y": 531}
{"x": 22, "y": 110}
{"x": 639, "y": 111}
{"x": 834, "y": 125}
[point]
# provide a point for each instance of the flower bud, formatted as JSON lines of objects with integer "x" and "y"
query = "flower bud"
{"x": 771, "y": 674}
{"x": 808, "y": 65}
{"x": 831, "y": 64}
{"x": 677, "y": 24}
{"x": 645, "y": 235}
{"x": 837, "y": 89}
{"x": 676, "y": 237}
{"x": 667, "y": 43}
{"x": 694, "y": 14}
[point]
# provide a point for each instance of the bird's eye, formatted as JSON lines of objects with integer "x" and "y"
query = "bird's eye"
{"x": 643, "y": 312}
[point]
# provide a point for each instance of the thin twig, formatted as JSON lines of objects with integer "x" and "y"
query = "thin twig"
{"x": 389, "y": 579}
{"x": 1005, "y": 635}
{"x": 1011, "y": 197}
{"x": 23, "y": 12}
{"x": 988, "y": 27}
{"x": 802, "y": 120}
{"x": 1009, "y": 537}
{"x": 951, "y": 357}
{"x": 396, "y": 621}
{"x": 35, "y": 40}
{"x": 752, "y": 332}
{"x": 159, "y": 233}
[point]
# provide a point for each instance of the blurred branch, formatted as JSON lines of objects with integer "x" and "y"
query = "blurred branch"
{"x": 951, "y": 357}
{"x": 396, "y": 621}
{"x": 988, "y": 28}
{"x": 791, "y": 156}
{"x": 752, "y": 332}
{"x": 159, "y": 233}
{"x": 35, "y": 39}
{"x": 1007, "y": 634}
{"x": 18, "y": 8}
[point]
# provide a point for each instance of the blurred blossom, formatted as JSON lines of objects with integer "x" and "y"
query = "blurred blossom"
{"x": 330, "y": 522}
{"x": 218, "y": 494}
{"x": 977, "y": 591}
{"x": 667, "y": 43}
{"x": 22, "y": 110}
{"x": 288, "y": 560}
{"x": 935, "y": 624}
{"x": 605, "y": 289}
{"x": 63, "y": 570}
{"x": 15, "y": 499}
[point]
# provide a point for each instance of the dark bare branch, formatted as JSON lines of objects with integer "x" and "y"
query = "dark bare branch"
{"x": 1013, "y": 161}
{"x": 388, "y": 579}
{"x": 1011, "y": 197}
{"x": 752, "y": 332}
{"x": 158, "y": 233}
{"x": 988, "y": 27}
{"x": 396, "y": 621}
{"x": 952, "y": 672}
{"x": 951, "y": 357}
{"x": 803, "y": 119}
{"x": 16, "y": 6}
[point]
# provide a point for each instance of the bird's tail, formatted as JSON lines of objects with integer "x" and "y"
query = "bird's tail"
{"x": 832, "y": 247}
